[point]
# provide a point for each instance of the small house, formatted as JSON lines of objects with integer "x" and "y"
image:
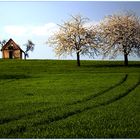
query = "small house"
{"x": 11, "y": 50}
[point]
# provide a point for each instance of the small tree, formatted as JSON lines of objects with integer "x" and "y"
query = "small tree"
{"x": 2, "y": 43}
{"x": 29, "y": 47}
{"x": 120, "y": 34}
{"x": 74, "y": 37}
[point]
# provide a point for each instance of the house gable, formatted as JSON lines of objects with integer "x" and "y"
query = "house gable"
{"x": 11, "y": 43}
{"x": 11, "y": 50}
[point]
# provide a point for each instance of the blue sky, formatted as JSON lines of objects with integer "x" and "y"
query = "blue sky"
{"x": 37, "y": 20}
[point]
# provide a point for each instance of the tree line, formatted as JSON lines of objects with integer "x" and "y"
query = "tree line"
{"x": 116, "y": 34}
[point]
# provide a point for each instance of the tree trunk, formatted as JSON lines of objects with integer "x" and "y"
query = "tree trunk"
{"x": 78, "y": 59}
{"x": 125, "y": 59}
{"x": 125, "y": 56}
{"x": 24, "y": 56}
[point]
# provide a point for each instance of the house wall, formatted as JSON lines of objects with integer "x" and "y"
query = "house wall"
{"x": 5, "y": 54}
{"x": 16, "y": 54}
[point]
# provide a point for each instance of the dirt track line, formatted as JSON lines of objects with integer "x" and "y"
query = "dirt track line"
{"x": 8, "y": 81}
{"x": 100, "y": 93}
{"x": 121, "y": 95}
{"x": 69, "y": 114}
{"x": 22, "y": 129}
{"x": 7, "y": 120}
{"x": 87, "y": 108}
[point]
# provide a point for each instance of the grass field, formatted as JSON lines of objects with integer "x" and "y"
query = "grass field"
{"x": 57, "y": 99}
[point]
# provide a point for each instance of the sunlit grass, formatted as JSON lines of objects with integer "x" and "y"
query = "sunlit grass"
{"x": 57, "y": 99}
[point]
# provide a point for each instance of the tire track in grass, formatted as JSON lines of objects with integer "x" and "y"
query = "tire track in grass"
{"x": 121, "y": 95}
{"x": 11, "y": 78}
{"x": 7, "y": 120}
{"x": 7, "y": 81}
{"x": 72, "y": 113}
{"x": 100, "y": 93}
{"x": 78, "y": 111}
{"x": 23, "y": 129}
{"x": 18, "y": 117}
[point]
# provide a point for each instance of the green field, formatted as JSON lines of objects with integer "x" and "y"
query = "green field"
{"x": 57, "y": 99}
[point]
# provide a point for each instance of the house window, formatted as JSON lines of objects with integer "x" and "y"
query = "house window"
{"x": 10, "y": 47}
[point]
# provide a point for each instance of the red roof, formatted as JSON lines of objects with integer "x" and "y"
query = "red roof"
{"x": 8, "y": 43}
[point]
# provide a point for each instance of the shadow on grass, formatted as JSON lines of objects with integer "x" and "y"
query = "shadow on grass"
{"x": 14, "y": 76}
{"x": 8, "y": 78}
{"x": 111, "y": 65}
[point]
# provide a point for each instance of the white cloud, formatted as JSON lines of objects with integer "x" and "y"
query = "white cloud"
{"x": 45, "y": 30}
{"x": 15, "y": 30}
{"x": 41, "y": 30}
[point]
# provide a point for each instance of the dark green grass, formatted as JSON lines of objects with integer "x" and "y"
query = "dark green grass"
{"x": 57, "y": 99}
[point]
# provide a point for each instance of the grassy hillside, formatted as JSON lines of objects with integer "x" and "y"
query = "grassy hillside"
{"x": 57, "y": 99}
